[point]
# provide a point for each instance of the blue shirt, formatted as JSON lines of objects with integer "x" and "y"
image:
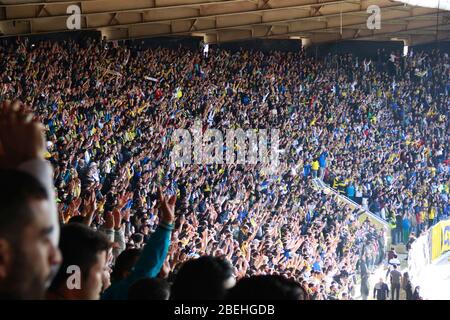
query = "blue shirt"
{"x": 148, "y": 265}
{"x": 350, "y": 191}
{"x": 307, "y": 170}
{"x": 316, "y": 266}
{"x": 323, "y": 159}
{"x": 245, "y": 100}
{"x": 406, "y": 224}
{"x": 308, "y": 217}
{"x": 242, "y": 215}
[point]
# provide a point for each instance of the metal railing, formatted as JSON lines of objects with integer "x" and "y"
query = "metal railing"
{"x": 363, "y": 212}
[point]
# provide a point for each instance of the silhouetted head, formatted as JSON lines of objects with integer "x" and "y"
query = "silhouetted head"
{"x": 267, "y": 287}
{"x": 124, "y": 264}
{"x": 205, "y": 278}
{"x": 149, "y": 289}
{"x": 76, "y": 219}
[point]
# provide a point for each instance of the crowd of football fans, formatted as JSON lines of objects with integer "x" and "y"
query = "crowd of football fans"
{"x": 375, "y": 130}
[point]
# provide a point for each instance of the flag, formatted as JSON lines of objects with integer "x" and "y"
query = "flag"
{"x": 151, "y": 79}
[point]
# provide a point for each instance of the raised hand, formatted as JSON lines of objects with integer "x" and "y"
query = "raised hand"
{"x": 117, "y": 219}
{"x": 109, "y": 221}
{"x": 122, "y": 200}
{"x": 90, "y": 205}
{"x": 64, "y": 216}
{"x": 73, "y": 207}
{"x": 195, "y": 222}
{"x": 182, "y": 219}
{"x": 165, "y": 270}
{"x": 21, "y": 139}
{"x": 167, "y": 207}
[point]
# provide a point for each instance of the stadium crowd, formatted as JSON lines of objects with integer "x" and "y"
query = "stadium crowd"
{"x": 393, "y": 157}
{"x": 109, "y": 112}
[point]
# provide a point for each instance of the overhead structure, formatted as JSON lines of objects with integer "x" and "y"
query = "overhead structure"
{"x": 313, "y": 21}
{"x": 439, "y": 4}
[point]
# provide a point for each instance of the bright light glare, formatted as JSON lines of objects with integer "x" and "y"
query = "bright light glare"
{"x": 434, "y": 280}
{"x": 441, "y": 4}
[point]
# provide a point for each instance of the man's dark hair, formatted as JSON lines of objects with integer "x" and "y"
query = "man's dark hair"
{"x": 267, "y": 287}
{"x": 79, "y": 246}
{"x": 124, "y": 263}
{"x": 76, "y": 219}
{"x": 137, "y": 237}
{"x": 16, "y": 189}
{"x": 149, "y": 289}
{"x": 202, "y": 279}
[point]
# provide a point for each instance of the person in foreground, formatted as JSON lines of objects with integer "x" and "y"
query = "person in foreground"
{"x": 85, "y": 254}
{"x": 153, "y": 255}
{"x": 29, "y": 229}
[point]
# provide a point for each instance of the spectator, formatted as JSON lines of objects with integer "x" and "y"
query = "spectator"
{"x": 350, "y": 192}
{"x": 315, "y": 168}
{"x": 29, "y": 232}
{"x": 411, "y": 240}
{"x": 416, "y": 294}
{"x": 205, "y": 278}
{"x": 396, "y": 278}
{"x": 153, "y": 255}
{"x": 323, "y": 163}
{"x": 28, "y": 259}
{"x": 381, "y": 290}
{"x": 87, "y": 250}
{"x": 149, "y": 289}
{"x": 407, "y": 286}
{"x": 110, "y": 134}
{"x": 406, "y": 225}
{"x": 391, "y": 254}
{"x": 398, "y": 233}
{"x": 268, "y": 287}
{"x": 365, "y": 287}
{"x": 124, "y": 264}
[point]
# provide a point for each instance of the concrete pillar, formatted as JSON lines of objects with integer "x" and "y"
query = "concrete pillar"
{"x": 306, "y": 42}
{"x": 406, "y": 45}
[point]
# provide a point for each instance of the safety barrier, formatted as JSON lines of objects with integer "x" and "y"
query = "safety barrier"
{"x": 419, "y": 257}
{"x": 440, "y": 239}
{"x": 428, "y": 248}
{"x": 363, "y": 212}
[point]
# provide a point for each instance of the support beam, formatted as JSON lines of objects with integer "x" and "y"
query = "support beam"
{"x": 239, "y": 7}
{"x": 306, "y": 42}
{"x": 224, "y": 20}
{"x": 231, "y": 19}
{"x": 42, "y": 9}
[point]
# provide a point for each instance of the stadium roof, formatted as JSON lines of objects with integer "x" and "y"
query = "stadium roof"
{"x": 217, "y": 21}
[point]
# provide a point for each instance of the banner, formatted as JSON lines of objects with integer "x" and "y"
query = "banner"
{"x": 445, "y": 236}
{"x": 436, "y": 240}
{"x": 440, "y": 239}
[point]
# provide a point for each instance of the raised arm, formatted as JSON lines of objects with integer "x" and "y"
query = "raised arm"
{"x": 155, "y": 250}
{"x": 22, "y": 147}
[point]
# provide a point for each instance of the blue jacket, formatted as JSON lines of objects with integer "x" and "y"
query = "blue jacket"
{"x": 306, "y": 170}
{"x": 148, "y": 266}
{"x": 323, "y": 159}
{"x": 316, "y": 266}
{"x": 350, "y": 191}
{"x": 406, "y": 224}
